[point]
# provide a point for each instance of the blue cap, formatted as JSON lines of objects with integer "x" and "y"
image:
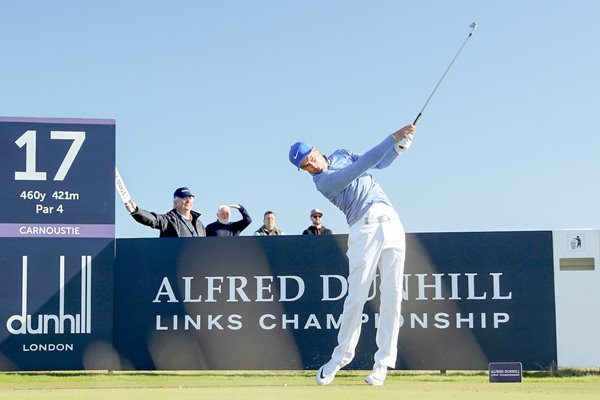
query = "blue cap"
{"x": 182, "y": 193}
{"x": 298, "y": 152}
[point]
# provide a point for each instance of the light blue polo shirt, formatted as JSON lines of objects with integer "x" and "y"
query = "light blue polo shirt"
{"x": 348, "y": 185}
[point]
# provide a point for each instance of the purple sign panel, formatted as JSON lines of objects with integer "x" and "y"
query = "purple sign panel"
{"x": 57, "y": 242}
{"x": 506, "y": 372}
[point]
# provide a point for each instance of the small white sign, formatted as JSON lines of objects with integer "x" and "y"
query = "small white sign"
{"x": 576, "y": 242}
{"x": 120, "y": 186}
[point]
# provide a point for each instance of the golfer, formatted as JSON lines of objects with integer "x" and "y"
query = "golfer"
{"x": 375, "y": 241}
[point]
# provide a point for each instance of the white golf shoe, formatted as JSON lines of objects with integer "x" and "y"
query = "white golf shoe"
{"x": 327, "y": 372}
{"x": 377, "y": 377}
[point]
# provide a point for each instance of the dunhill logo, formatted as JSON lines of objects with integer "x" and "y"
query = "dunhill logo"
{"x": 60, "y": 323}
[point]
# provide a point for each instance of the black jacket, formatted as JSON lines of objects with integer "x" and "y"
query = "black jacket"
{"x": 311, "y": 230}
{"x": 231, "y": 229}
{"x": 170, "y": 224}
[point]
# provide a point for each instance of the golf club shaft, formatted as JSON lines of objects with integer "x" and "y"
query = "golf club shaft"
{"x": 473, "y": 26}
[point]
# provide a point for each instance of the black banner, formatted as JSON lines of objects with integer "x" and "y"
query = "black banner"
{"x": 274, "y": 303}
{"x": 56, "y": 304}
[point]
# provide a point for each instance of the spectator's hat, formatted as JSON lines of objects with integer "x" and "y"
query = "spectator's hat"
{"x": 316, "y": 211}
{"x": 182, "y": 193}
{"x": 298, "y": 152}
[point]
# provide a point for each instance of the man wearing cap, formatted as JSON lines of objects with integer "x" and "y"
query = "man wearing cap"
{"x": 317, "y": 228}
{"x": 375, "y": 242}
{"x": 181, "y": 221}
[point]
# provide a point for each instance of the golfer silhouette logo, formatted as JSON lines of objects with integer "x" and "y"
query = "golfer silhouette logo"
{"x": 576, "y": 243}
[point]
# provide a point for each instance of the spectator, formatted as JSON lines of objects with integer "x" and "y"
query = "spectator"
{"x": 317, "y": 228}
{"x": 181, "y": 221}
{"x": 269, "y": 228}
{"x": 223, "y": 227}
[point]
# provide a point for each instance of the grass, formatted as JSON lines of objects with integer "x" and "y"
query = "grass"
{"x": 289, "y": 385}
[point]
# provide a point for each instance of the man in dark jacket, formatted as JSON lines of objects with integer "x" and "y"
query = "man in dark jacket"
{"x": 223, "y": 227}
{"x": 181, "y": 221}
{"x": 317, "y": 228}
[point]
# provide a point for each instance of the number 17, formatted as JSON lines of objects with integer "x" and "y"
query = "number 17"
{"x": 28, "y": 139}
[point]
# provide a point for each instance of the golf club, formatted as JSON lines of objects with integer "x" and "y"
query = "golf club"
{"x": 473, "y": 26}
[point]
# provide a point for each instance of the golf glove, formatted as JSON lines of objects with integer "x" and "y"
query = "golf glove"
{"x": 403, "y": 144}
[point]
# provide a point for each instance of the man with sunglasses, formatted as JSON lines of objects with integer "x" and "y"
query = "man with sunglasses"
{"x": 317, "y": 228}
{"x": 375, "y": 242}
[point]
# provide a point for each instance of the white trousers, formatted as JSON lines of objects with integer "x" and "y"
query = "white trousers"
{"x": 376, "y": 241}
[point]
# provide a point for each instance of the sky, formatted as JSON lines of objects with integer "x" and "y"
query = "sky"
{"x": 212, "y": 94}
